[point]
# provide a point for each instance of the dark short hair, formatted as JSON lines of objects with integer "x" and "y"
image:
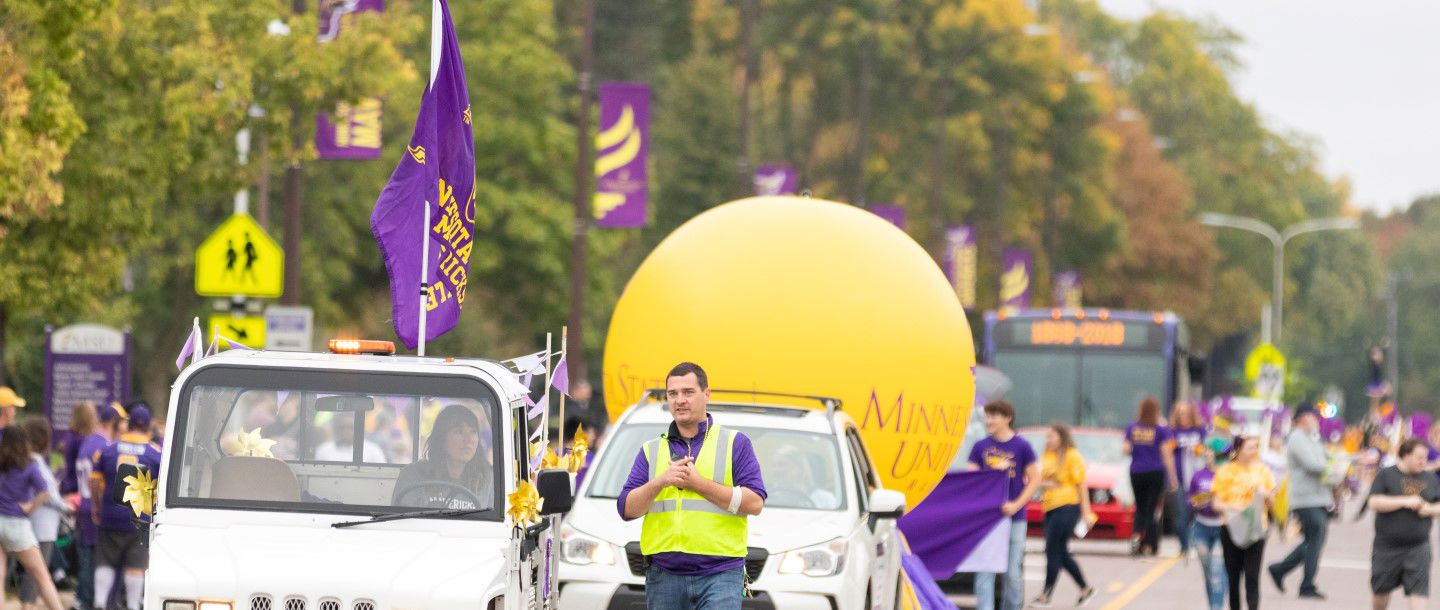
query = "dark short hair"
{"x": 1409, "y": 445}
{"x": 686, "y": 368}
{"x": 1000, "y": 407}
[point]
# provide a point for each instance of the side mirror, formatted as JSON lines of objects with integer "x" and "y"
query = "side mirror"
{"x": 887, "y": 504}
{"x": 553, "y": 486}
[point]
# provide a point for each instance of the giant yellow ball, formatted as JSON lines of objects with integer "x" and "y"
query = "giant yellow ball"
{"x": 785, "y": 294}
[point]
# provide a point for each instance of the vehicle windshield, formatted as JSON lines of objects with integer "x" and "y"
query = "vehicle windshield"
{"x": 801, "y": 469}
{"x": 1095, "y": 448}
{"x": 334, "y": 441}
{"x": 1090, "y": 388}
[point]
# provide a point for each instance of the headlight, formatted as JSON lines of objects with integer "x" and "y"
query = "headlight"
{"x": 582, "y": 550}
{"x": 825, "y": 559}
{"x": 178, "y": 604}
{"x": 1100, "y": 496}
{"x": 215, "y": 605}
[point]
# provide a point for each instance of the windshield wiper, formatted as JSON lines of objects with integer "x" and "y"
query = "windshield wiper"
{"x": 418, "y": 514}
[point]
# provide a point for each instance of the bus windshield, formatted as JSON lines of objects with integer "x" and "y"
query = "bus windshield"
{"x": 334, "y": 441}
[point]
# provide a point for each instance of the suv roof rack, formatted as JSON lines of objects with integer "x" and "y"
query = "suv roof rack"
{"x": 831, "y": 405}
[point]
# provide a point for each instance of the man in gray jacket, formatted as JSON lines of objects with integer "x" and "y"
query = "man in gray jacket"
{"x": 1310, "y": 499}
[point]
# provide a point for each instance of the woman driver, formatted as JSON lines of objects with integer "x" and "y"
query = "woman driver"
{"x": 451, "y": 473}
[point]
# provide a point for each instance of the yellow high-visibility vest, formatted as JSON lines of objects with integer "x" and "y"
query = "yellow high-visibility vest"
{"x": 683, "y": 521}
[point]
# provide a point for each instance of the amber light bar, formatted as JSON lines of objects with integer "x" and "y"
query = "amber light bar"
{"x": 362, "y": 346}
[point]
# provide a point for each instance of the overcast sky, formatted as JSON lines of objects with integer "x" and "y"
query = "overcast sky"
{"x": 1361, "y": 78}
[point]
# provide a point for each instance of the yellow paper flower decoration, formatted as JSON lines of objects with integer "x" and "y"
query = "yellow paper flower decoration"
{"x": 140, "y": 493}
{"x": 251, "y": 444}
{"x": 578, "y": 450}
{"x": 524, "y": 505}
{"x": 550, "y": 460}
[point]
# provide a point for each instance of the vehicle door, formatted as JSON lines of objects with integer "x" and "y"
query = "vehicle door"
{"x": 877, "y": 537}
{"x": 534, "y": 583}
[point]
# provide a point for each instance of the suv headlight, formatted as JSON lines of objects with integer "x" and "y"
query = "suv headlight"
{"x": 825, "y": 559}
{"x": 1100, "y": 496}
{"x": 582, "y": 550}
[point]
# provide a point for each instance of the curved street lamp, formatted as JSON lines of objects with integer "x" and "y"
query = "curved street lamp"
{"x": 1278, "y": 239}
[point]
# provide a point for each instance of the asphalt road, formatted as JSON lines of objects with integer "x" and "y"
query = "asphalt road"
{"x": 1171, "y": 583}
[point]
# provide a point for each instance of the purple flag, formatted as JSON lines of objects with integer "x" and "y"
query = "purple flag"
{"x": 561, "y": 378}
{"x": 926, "y": 592}
{"x": 960, "y": 263}
{"x": 892, "y": 214}
{"x": 1015, "y": 276}
{"x": 959, "y": 526}
{"x": 1068, "y": 290}
{"x": 776, "y": 179}
{"x": 621, "y": 185}
{"x": 334, "y": 14}
{"x": 1420, "y": 423}
{"x": 192, "y": 343}
{"x": 351, "y": 131}
{"x": 438, "y": 171}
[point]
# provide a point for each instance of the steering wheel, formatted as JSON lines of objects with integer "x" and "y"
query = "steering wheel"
{"x": 455, "y": 492}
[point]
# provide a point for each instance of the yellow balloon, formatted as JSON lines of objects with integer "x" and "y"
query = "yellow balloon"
{"x": 786, "y": 294}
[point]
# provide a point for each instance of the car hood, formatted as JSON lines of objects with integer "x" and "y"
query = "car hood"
{"x": 1114, "y": 477}
{"x": 775, "y": 529}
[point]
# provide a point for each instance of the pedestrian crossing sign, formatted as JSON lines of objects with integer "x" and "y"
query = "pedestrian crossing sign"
{"x": 239, "y": 259}
{"x": 245, "y": 330}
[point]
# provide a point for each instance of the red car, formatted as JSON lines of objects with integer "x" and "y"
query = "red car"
{"x": 1107, "y": 471}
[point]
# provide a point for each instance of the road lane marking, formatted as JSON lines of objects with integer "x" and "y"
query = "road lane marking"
{"x": 1114, "y": 586}
{"x": 1140, "y": 585}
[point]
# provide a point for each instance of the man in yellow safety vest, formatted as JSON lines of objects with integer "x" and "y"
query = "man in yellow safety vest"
{"x": 695, "y": 485}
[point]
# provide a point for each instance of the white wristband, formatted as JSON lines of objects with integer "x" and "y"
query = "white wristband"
{"x": 734, "y": 500}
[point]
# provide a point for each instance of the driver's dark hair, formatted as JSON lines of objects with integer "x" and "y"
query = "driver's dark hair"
{"x": 686, "y": 368}
{"x": 436, "y": 460}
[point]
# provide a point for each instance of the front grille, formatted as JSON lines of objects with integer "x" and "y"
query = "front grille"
{"x": 260, "y": 601}
{"x": 295, "y": 602}
{"x": 364, "y": 604}
{"x": 329, "y": 603}
{"x": 755, "y": 559}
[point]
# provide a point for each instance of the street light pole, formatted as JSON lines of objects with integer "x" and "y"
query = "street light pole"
{"x": 1278, "y": 239}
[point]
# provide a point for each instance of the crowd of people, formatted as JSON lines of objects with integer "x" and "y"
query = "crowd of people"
{"x": 56, "y": 488}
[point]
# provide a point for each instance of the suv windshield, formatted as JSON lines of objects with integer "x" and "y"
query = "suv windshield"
{"x": 335, "y": 441}
{"x": 801, "y": 469}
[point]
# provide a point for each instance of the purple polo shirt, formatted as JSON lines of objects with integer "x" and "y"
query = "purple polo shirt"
{"x": 1146, "y": 445}
{"x": 18, "y": 486}
{"x": 745, "y": 472}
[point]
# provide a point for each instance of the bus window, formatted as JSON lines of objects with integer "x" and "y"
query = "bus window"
{"x": 1045, "y": 384}
{"x": 1115, "y": 383}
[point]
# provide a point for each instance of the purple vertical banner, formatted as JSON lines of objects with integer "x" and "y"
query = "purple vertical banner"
{"x": 352, "y": 131}
{"x": 84, "y": 362}
{"x": 1015, "y": 274}
{"x": 775, "y": 179}
{"x": 892, "y": 214}
{"x": 621, "y": 185}
{"x": 961, "y": 255}
{"x": 1068, "y": 290}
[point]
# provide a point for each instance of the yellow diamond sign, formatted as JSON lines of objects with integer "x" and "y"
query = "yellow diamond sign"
{"x": 245, "y": 330}
{"x": 239, "y": 259}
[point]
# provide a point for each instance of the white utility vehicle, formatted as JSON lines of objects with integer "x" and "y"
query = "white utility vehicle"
{"x": 826, "y": 538}
{"x": 300, "y": 481}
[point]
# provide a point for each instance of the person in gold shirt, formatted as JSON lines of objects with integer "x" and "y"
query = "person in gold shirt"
{"x": 1065, "y": 501}
{"x": 1236, "y": 487}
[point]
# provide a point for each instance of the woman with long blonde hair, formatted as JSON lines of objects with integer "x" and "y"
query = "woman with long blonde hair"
{"x": 1066, "y": 500}
{"x": 1187, "y": 431}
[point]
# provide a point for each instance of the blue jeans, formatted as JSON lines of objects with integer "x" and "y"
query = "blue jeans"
{"x": 1206, "y": 540}
{"x": 85, "y": 575}
{"x": 1314, "y": 525}
{"x": 1184, "y": 516}
{"x": 1059, "y": 527}
{"x": 1014, "y": 575}
{"x": 666, "y": 591}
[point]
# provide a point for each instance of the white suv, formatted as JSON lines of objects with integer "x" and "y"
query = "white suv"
{"x": 826, "y": 539}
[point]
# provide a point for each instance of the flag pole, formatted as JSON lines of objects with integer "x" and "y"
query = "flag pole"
{"x": 545, "y": 399}
{"x": 564, "y": 343}
{"x": 436, "y": 35}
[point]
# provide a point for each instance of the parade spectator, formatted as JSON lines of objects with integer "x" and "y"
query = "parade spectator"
{"x": 1065, "y": 501}
{"x": 1235, "y": 489}
{"x": 1404, "y": 498}
{"x": 341, "y": 446}
{"x": 696, "y": 554}
{"x": 1152, "y": 468}
{"x": 121, "y": 543}
{"x": 1004, "y": 451}
{"x": 9, "y": 402}
{"x": 1188, "y": 432}
{"x": 83, "y": 422}
{"x": 1309, "y": 502}
{"x": 1205, "y": 532}
{"x": 87, "y": 534}
{"x": 22, "y": 490}
{"x": 45, "y": 519}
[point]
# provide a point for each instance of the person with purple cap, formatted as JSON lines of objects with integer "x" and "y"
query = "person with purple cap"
{"x": 110, "y": 418}
{"x": 121, "y": 543}
{"x": 1310, "y": 499}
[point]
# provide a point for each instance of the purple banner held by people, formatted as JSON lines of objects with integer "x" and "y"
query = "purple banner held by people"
{"x": 352, "y": 131}
{"x": 622, "y": 188}
{"x": 775, "y": 179}
{"x": 961, "y": 255}
{"x": 438, "y": 171}
{"x": 1015, "y": 274}
{"x": 1068, "y": 290}
{"x": 892, "y": 214}
{"x": 959, "y": 526}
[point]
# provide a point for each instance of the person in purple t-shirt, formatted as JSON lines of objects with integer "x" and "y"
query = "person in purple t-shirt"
{"x": 122, "y": 545}
{"x": 1205, "y": 532}
{"x": 1187, "y": 431}
{"x": 679, "y": 576}
{"x": 1003, "y": 450}
{"x": 1152, "y": 467}
{"x": 22, "y": 490}
{"x": 111, "y": 417}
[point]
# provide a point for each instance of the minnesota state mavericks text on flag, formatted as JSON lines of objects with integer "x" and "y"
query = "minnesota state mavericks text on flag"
{"x": 959, "y": 526}
{"x": 621, "y": 185}
{"x": 438, "y": 171}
